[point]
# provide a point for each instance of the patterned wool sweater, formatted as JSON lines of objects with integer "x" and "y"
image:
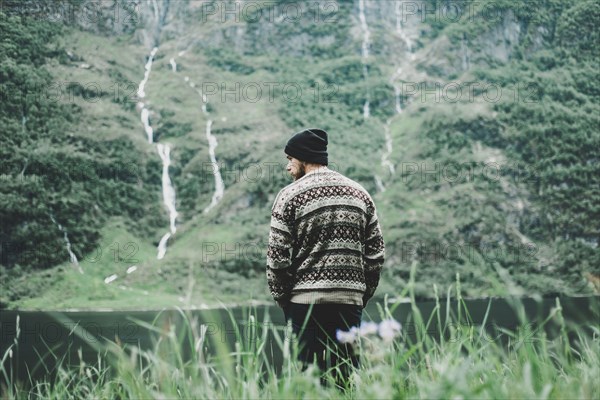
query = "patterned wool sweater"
{"x": 325, "y": 243}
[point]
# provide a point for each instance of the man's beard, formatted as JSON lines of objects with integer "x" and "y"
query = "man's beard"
{"x": 301, "y": 172}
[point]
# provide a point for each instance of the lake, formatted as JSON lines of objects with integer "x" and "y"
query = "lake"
{"x": 49, "y": 336}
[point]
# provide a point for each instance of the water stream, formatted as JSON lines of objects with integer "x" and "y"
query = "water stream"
{"x": 409, "y": 56}
{"x": 164, "y": 151}
{"x": 72, "y": 256}
{"x": 219, "y": 186}
{"x": 385, "y": 161}
{"x": 401, "y": 32}
{"x": 141, "y": 94}
{"x": 212, "y": 144}
{"x": 365, "y": 53}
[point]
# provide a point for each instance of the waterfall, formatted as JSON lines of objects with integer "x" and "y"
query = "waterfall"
{"x": 72, "y": 256}
{"x": 173, "y": 64}
{"x": 212, "y": 145}
{"x": 145, "y": 116}
{"x": 397, "y": 96}
{"x": 168, "y": 198}
{"x": 141, "y": 93}
{"x": 162, "y": 246}
{"x": 168, "y": 192}
{"x": 397, "y": 90}
{"x": 219, "y": 186}
{"x": 164, "y": 151}
{"x": 401, "y": 33}
{"x": 365, "y": 52}
{"x": 148, "y": 67}
{"x": 388, "y": 148}
{"x": 204, "y": 103}
{"x": 385, "y": 161}
{"x": 409, "y": 55}
{"x": 379, "y": 184}
{"x": 155, "y": 7}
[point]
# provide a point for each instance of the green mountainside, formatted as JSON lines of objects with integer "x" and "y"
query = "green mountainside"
{"x": 480, "y": 144}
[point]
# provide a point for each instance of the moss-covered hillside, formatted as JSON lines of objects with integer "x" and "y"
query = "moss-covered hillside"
{"x": 474, "y": 126}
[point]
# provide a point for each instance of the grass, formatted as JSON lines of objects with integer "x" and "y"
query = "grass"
{"x": 457, "y": 360}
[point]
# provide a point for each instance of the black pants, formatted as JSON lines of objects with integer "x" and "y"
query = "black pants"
{"x": 316, "y": 334}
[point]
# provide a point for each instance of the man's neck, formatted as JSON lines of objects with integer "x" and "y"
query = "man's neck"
{"x": 315, "y": 168}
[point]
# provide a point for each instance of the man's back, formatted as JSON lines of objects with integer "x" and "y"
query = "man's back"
{"x": 325, "y": 244}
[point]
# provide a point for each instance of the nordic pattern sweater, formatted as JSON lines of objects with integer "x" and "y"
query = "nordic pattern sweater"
{"x": 325, "y": 242}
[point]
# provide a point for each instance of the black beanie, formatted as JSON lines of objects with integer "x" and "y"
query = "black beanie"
{"x": 309, "y": 145}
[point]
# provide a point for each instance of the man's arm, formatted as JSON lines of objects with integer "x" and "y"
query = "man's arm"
{"x": 280, "y": 276}
{"x": 373, "y": 257}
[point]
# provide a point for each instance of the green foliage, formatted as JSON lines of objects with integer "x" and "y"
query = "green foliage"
{"x": 577, "y": 30}
{"x": 170, "y": 128}
{"x": 547, "y": 130}
{"x": 47, "y": 171}
{"x": 556, "y": 136}
{"x": 228, "y": 61}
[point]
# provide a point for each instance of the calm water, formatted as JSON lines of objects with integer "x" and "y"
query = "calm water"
{"x": 48, "y": 336}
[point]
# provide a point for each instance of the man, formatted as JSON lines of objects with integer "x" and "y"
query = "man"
{"x": 325, "y": 252}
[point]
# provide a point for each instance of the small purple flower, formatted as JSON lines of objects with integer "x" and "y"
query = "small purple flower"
{"x": 388, "y": 329}
{"x": 346, "y": 337}
{"x": 368, "y": 328}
